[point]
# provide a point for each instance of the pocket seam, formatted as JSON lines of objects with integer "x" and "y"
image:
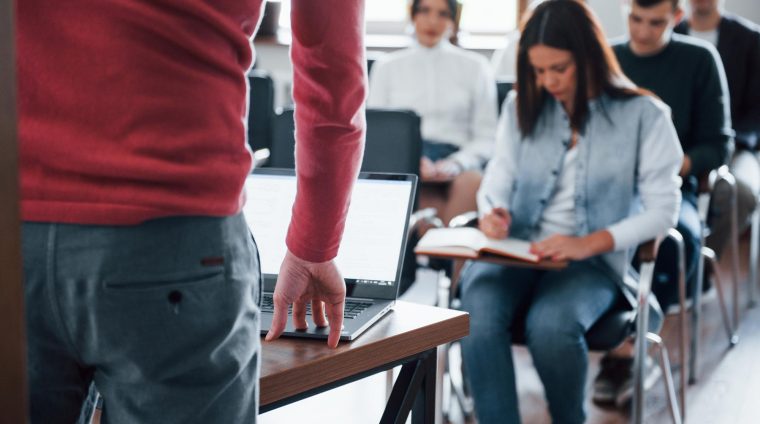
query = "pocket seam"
{"x": 167, "y": 280}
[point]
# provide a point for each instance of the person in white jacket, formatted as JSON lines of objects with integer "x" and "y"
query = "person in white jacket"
{"x": 454, "y": 92}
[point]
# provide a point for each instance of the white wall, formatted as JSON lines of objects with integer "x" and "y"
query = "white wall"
{"x": 749, "y": 9}
{"x": 611, "y": 16}
{"x": 609, "y": 12}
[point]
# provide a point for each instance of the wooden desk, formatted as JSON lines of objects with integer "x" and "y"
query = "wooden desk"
{"x": 501, "y": 260}
{"x": 293, "y": 369}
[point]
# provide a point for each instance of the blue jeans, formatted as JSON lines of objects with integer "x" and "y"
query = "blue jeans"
{"x": 161, "y": 316}
{"x": 557, "y": 308}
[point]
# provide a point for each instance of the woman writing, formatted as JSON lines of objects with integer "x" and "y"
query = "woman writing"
{"x": 586, "y": 167}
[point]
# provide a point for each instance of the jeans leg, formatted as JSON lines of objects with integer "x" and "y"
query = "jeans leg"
{"x": 57, "y": 380}
{"x": 565, "y": 305}
{"x": 493, "y": 295}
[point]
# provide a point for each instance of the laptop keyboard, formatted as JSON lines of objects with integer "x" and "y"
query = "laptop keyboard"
{"x": 353, "y": 309}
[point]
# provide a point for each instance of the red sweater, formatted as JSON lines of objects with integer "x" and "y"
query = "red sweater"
{"x": 131, "y": 110}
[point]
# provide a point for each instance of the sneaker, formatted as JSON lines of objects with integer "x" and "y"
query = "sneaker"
{"x": 652, "y": 373}
{"x": 613, "y": 373}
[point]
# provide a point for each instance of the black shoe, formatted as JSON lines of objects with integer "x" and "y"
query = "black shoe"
{"x": 613, "y": 373}
{"x": 707, "y": 276}
{"x": 652, "y": 373}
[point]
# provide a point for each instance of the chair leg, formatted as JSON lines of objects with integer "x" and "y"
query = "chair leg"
{"x": 696, "y": 309}
{"x": 459, "y": 384}
{"x": 734, "y": 257}
{"x": 754, "y": 255}
{"x": 675, "y": 411}
{"x": 388, "y": 383}
{"x": 733, "y": 338}
{"x": 441, "y": 354}
{"x": 677, "y": 238}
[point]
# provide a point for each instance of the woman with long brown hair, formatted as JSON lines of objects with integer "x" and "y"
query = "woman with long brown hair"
{"x": 586, "y": 168}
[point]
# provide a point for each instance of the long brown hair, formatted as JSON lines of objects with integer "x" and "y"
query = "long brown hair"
{"x": 568, "y": 25}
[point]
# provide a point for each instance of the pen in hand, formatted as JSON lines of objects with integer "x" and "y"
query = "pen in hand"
{"x": 495, "y": 223}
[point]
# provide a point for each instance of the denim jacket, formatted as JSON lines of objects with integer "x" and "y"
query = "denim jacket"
{"x": 626, "y": 178}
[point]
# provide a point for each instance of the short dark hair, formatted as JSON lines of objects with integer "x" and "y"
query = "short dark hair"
{"x": 650, "y": 3}
{"x": 568, "y": 25}
{"x": 452, "y": 4}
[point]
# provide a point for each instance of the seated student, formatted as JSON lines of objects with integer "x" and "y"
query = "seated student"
{"x": 687, "y": 75}
{"x": 738, "y": 43}
{"x": 454, "y": 92}
{"x": 586, "y": 167}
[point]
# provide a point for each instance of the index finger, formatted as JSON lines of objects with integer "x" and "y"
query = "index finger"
{"x": 335, "y": 318}
{"x": 279, "y": 319}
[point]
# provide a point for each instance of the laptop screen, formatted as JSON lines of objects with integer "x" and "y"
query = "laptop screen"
{"x": 371, "y": 250}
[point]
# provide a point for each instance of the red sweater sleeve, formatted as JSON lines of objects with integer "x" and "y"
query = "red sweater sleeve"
{"x": 329, "y": 89}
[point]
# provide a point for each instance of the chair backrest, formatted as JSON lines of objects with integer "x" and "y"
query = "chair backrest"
{"x": 394, "y": 142}
{"x": 372, "y": 56}
{"x": 503, "y": 87}
{"x": 260, "y": 110}
{"x": 283, "y": 141}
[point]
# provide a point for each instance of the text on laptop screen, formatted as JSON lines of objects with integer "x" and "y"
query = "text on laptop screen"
{"x": 372, "y": 240}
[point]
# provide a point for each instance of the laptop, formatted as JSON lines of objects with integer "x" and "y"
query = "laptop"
{"x": 371, "y": 252}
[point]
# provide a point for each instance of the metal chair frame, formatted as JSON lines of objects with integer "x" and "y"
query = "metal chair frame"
{"x": 718, "y": 176}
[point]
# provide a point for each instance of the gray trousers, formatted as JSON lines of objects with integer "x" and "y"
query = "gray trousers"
{"x": 161, "y": 316}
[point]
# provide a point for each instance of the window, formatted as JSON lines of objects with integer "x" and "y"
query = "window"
{"x": 392, "y": 16}
{"x": 488, "y": 16}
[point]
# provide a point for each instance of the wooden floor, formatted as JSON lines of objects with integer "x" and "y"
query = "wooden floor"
{"x": 728, "y": 389}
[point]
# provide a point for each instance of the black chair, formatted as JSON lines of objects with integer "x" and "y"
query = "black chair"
{"x": 260, "y": 110}
{"x": 720, "y": 176}
{"x": 617, "y": 325}
{"x": 754, "y": 250}
{"x": 503, "y": 87}
{"x": 394, "y": 142}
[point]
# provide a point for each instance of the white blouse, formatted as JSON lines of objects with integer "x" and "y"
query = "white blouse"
{"x": 559, "y": 215}
{"x": 453, "y": 91}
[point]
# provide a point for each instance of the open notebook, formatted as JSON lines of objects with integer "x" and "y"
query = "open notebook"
{"x": 471, "y": 243}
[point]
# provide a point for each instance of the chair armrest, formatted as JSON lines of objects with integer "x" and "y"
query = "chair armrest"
{"x": 708, "y": 181}
{"x": 467, "y": 219}
{"x": 260, "y": 157}
{"x": 427, "y": 215}
{"x": 647, "y": 251}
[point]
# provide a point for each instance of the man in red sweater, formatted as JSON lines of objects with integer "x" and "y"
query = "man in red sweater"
{"x": 140, "y": 271}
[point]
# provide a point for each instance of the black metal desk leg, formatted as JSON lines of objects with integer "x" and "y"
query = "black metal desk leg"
{"x": 424, "y": 405}
{"x": 415, "y": 386}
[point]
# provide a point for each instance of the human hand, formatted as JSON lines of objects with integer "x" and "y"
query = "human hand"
{"x": 569, "y": 248}
{"x": 685, "y": 166}
{"x": 495, "y": 223}
{"x": 427, "y": 169}
{"x": 447, "y": 169}
{"x": 302, "y": 281}
{"x": 560, "y": 248}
